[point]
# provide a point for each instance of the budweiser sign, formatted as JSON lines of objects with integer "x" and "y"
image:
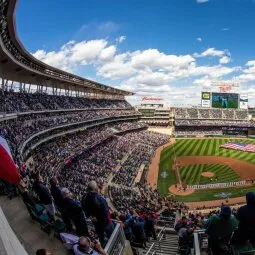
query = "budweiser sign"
{"x": 224, "y": 89}
{"x": 151, "y": 99}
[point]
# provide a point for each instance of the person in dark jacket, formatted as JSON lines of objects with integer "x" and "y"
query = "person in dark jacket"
{"x": 75, "y": 213}
{"x": 246, "y": 217}
{"x": 137, "y": 227}
{"x": 96, "y": 207}
{"x": 220, "y": 229}
{"x": 59, "y": 202}
{"x": 149, "y": 226}
{"x": 44, "y": 196}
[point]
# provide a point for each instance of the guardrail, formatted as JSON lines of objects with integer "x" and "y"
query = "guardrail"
{"x": 117, "y": 241}
{"x": 200, "y": 242}
{"x": 196, "y": 244}
{"x": 156, "y": 246}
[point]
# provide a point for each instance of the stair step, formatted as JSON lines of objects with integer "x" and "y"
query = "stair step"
{"x": 168, "y": 245}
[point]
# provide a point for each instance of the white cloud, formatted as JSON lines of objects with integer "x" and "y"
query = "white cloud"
{"x": 211, "y": 52}
{"x": 249, "y": 72}
{"x": 152, "y": 59}
{"x": 121, "y": 39}
{"x": 225, "y": 60}
{"x": 149, "y": 71}
{"x": 199, "y": 39}
{"x": 202, "y": 1}
{"x": 250, "y": 63}
{"x": 225, "y": 29}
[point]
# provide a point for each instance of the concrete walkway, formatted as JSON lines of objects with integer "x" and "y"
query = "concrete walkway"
{"x": 28, "y": 231}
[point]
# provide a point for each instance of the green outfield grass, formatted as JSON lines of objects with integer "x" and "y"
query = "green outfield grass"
{"x": 192, "y": 174}
{"x": 199, "y": 147}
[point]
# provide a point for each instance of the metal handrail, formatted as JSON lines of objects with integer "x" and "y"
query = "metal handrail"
{"x": 196, "y": 244}
{"x": 116, "y": 243}
{"x": 148, "y": 252}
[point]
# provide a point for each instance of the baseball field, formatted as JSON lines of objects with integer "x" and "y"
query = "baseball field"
{"x": 202, "y": 161}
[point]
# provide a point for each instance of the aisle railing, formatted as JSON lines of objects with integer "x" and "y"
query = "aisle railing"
{"x": 117, "y": 241}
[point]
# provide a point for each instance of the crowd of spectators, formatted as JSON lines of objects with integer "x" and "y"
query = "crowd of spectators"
{"x": 27, "y": 125}
{"x": 215, "y": 123}
{"x": 142, "y": 198}
{"x": 126, "y": 174}
{"x": 12, "y": 102}
{"x": 225, "y": 227}
{"x": 196, "y": 131}
{"x": 216, "y": 114}
{"x": 98, "y": 161}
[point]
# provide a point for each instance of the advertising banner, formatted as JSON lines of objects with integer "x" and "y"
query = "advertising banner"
{"x": 206, "y": 99}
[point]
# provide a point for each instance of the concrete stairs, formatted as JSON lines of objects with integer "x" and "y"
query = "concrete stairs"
{"x": 168, "y": 245}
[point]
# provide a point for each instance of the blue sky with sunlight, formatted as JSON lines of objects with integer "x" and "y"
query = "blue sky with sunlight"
{"x": 168, "y": 48}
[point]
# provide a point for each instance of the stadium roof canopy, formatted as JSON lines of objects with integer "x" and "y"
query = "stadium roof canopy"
{"x": 17, "y": 64}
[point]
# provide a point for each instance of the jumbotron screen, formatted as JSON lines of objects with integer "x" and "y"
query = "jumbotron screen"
{"x": 225, "y": 100}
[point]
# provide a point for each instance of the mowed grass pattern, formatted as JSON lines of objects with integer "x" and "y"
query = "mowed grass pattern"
{"x": 192, "y": 174}
{"x": 199, "y": 147}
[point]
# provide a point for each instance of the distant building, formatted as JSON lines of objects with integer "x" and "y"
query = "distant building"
{"x": 251, "y": 112}
{"x": 156, "y": 112}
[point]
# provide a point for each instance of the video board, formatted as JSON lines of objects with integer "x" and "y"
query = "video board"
{"x": 225, "y": 100}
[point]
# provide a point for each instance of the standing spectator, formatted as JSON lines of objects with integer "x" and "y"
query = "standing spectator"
{"x": 75, "y": 213}
{"x": 246, "y": 217}
{"x": 149, "y": 226}
{"x": 59, "y": 202}
{"x": 220, "y": 229}
{"x": 137, "y": 227}
{"x": 96, "y": 207}
{"x": 44, "y": 196}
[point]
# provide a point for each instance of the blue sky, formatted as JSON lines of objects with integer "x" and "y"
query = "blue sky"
{"x": 168, "y": 48}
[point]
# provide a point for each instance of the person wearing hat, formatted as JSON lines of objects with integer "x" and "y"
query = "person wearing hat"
{"x": 74, "y": 211}
{"x": 220, "y": 228}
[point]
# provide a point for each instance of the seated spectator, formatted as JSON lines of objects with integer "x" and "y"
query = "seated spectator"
{"x": 43, "y": 252}
{"x": 246, "y": 217}
{"x": 84, "y": 247}
{"x": 96, "y": 207}
{"x": 44, "y": 196}
{"x": 220, "y": 229}
{"x": 75, "y": 213}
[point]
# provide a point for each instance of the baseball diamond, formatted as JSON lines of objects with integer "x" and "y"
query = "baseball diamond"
{"x": 193, "y": 157}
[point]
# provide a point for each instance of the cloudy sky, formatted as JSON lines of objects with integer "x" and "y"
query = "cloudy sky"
{"x": 167, "y": 48}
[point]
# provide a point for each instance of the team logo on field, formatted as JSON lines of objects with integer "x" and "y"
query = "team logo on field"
{"x": 223, "y": 195}
{"x": 164, "y": 174}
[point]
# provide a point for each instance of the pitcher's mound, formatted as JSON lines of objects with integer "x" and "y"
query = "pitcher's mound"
{"x": 179, "y": 191}
{"x": 208, "y": 174}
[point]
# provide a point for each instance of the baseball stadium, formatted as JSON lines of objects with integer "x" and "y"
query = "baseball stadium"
{"x": 90, "y": 168}
{"x": 208, "y": 157}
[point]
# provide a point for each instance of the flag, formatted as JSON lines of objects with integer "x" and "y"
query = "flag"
{"x": 8, "y": 169}
{"x": 239, "y": 146}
